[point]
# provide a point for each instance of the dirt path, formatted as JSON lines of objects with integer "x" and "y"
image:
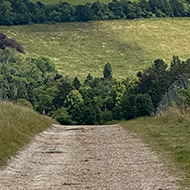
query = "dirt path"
{"x": 86, "y": 157}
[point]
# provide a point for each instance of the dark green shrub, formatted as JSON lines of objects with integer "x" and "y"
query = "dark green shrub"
{"x": 107, "y": 71}
{"x": 62, "y": 116}
{"x": 117, "y": 113}
{"x": 105, "y": 116}
{"x": 128, "y": 106}
{"x": 90, "y": 112}
{"x": 143, "y": 105}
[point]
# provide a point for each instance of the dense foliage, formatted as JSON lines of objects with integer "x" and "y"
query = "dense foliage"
{"x": 185, "y": 97}
{"x": 13, "y": 12}
{"x": 156, "y": 80}
{"x": 36, "y": 83}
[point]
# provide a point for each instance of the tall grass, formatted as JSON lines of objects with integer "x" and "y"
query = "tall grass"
{"x": 169, "y": 136}
{"x": 17, "y": 126}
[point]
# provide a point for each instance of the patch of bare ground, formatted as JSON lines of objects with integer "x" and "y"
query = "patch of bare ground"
{"x": 86, "y": 157}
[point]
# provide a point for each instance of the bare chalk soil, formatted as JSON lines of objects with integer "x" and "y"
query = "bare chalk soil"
{"x": 86, "y": 158}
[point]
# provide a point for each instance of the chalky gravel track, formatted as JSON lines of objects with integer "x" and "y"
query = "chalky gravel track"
{"x": 85, "y": 158}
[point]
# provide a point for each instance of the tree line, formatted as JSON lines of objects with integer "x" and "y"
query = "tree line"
{"x": 35, "y": 82}
{"x": 14, "y": 12}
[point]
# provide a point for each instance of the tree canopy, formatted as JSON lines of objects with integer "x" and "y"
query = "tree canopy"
{"x": 25, "y": 12}
{"x": 35, "y": 82}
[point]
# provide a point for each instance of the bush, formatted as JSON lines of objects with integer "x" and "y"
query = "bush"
{"x": 105, "y": 116}
{"x": 143, "y": 105}
{"x": 128, "y": 106}
{"x": 117, "y": 113}
{"x": 62, "y": 116}
{"x": 185, "y": 96}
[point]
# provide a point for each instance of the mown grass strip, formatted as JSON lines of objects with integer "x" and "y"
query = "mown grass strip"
{"x": 18, "y": 125}
{"x": 169, "y": 136}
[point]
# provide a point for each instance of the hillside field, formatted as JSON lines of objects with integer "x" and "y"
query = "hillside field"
{"x": 80, "y": 48}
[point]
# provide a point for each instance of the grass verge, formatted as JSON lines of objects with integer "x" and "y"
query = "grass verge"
{"x": 18, "y": 125}
{"x": 169, "y": 136}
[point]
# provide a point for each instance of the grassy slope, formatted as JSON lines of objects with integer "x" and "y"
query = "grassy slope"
{"x": 82, "y": 48}
{"x": 168, "y": 135}
{"x": 17, "y": 126}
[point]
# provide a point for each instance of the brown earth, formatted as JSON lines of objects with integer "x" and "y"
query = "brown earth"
{"x": 83, "y": 158}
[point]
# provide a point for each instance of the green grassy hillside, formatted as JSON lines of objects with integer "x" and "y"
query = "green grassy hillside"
{"x": 82, "y": 48}
{"x": 169, "y": 136}
{"x": 18, "y": 126}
